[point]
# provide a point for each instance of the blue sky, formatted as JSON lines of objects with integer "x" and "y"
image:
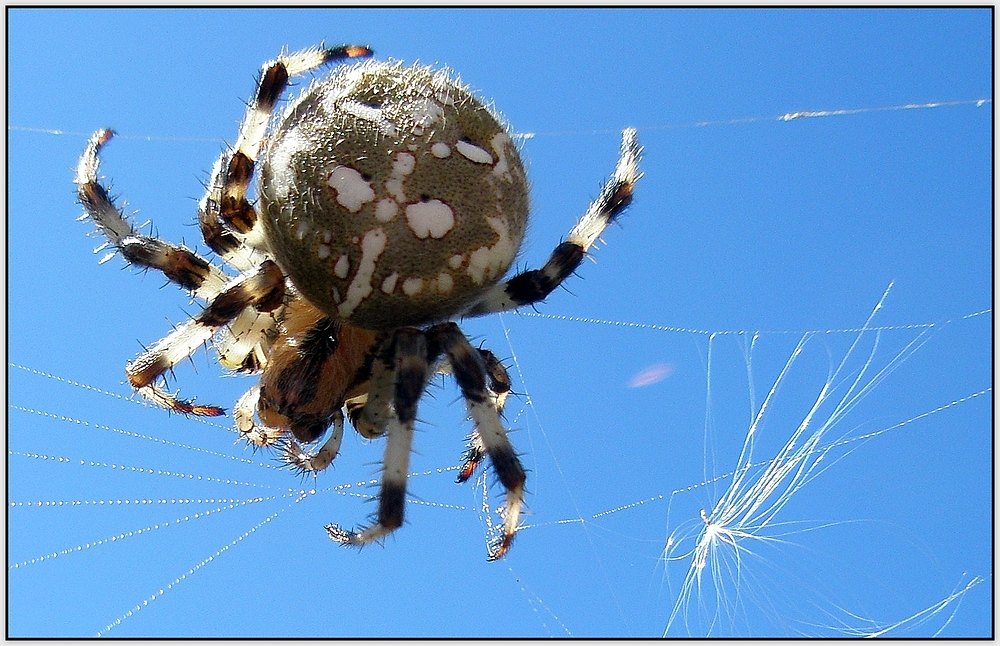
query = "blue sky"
{"x": 743, "y": 222}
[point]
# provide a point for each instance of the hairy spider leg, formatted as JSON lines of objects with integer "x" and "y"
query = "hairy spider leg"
{"x": 247, "y": 427}
{"x": 263, "y": 290}
{"x": 470, "y": 371}
{"x": 224, "y": 214}
{"x": 498, "y": 389}
{"x": 180, "y": 265}
{"x": 370, "y": 414}
{"x": 406, "y": 356}
{"x": 245, "y": 343}
{"x": 535, "y": 285}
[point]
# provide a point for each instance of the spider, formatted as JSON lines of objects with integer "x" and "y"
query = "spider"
{"x": 390, "y": 202}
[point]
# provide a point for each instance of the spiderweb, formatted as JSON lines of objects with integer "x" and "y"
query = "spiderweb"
{"x": 710, "y": 482}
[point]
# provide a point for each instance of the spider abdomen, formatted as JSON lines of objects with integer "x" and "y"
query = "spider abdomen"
{"x": 392, "y": 196}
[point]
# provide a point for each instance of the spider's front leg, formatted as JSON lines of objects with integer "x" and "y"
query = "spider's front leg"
{"x": 535, "y": 285}
{"x": 179, "y": 265}
{"x": 406, "y": 356}
{"x": 225, "y": 216}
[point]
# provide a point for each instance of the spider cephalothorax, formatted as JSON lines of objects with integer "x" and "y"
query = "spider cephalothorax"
{"x": 391, "y": 202}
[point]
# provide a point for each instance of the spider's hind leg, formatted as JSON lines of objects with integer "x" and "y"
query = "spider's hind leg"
{"x": 498, "y": 389}
{"x": 406, "y": 355}
{"x": 470, "y": 368}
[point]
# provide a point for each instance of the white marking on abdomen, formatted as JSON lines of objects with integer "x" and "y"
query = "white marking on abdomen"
{"x": 444, "y": 283}
{"x": 369, "y": 114}
{"x": 432, "y": 218}
{"x": 372, "y": 246}
{"x": 485, "y": 263}
{"x": 281, "y": 156}
{"x": 412, "y": 286}
{"x": 425, "y": 113}
{"x": 386, "y": 209}
{"x": 352, "y": 190}
{"x": 343, "y": 267}
{"x": 402, "y": 166}
{"x": 473, "y": 152}
{"x": 389, "y": 283}
{"x": 499, "y": 143}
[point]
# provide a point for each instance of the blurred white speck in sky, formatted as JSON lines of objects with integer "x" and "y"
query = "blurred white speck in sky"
{"x": 651, "y": 375}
